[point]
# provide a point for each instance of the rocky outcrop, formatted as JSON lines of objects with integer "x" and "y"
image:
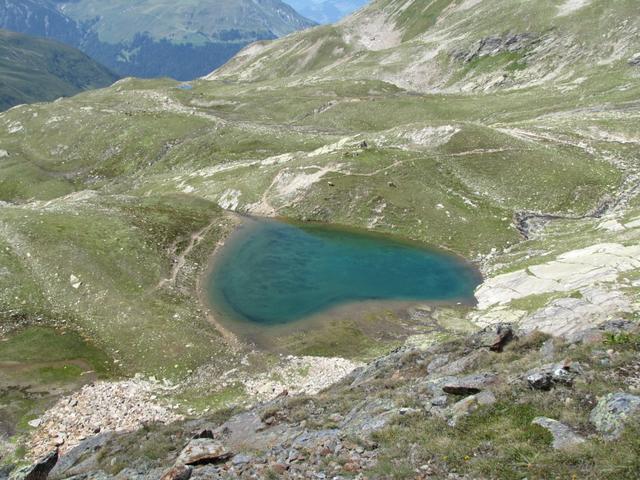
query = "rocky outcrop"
{"x": 467, "y": 406}
{"x": 494, "y": 45}
{"x": 40, "y": 470}
{"x": 495, "y": 337}
{"x": 569, "y": 271}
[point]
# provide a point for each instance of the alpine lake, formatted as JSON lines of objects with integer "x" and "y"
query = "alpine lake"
{"x": 272, "y": 278}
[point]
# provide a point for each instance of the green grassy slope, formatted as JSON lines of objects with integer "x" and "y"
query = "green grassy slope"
{"x": 37, "y": 70}
{"x": 95, "y": 264}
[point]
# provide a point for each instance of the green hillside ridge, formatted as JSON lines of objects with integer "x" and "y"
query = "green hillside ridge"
{"x": 515, "y": 142}
{"x": 38, "y": 70}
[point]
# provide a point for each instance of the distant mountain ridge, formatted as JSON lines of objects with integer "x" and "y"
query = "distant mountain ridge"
{"x": 326, "y": 11}
{"x": 35, "y": 69}
{"x": 154, "y": 38}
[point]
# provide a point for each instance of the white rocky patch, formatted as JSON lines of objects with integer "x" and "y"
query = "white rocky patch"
{"x": 467, "y": 5}
{"x": 565, "y": 316}
{"x": 635, "y": 223}
{"x": 288, "y": 184}
{"x": 611, "y": 226}
{"x": 300, "y": 375}
{"x": 4, "y": 154}
{"x": 374, "y": 32}
{"x": 75, "y": 282}
{"x": 603, "y": 135}
{"x": 15, "y": 127}
{"x": 230, "y": 199}
{"x": 378, "y": 217}
{"x": 277, "y": 159}
{"x": 333, "y": 147}
{"x": 225, "y": 167}
{"x": 54, "y": 119}
{"x": 423, "y": 137}
{"x": 570, "y": 271}
{"x": 570, "y": 6}
{"x": 431, "y": 136}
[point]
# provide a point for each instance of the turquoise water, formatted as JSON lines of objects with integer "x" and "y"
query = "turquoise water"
{"x": 273, "y": 273}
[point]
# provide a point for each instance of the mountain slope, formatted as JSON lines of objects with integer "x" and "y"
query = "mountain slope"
{"x": 39, "y": 18}
{"x": 154, "y": 38}
{"x": 35, "y": 70}
{"x": 456, "y": 45}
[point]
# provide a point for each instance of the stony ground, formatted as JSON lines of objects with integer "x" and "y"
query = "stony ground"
{"x": 497, "y": 404}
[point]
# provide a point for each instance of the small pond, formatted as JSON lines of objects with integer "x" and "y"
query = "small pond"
{"x": 273, "y": 273}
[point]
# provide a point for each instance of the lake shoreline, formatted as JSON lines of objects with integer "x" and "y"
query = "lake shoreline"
{"x": 237, "y": 329}
{"x": 201, "y": 292}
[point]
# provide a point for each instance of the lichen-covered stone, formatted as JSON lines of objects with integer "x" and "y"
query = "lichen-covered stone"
{"x": 612, "y": 412}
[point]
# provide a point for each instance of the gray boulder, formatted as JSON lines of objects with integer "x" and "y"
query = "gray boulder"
{"x": 469, "y": 385}
{"x": 180, "y": 472}
{"x": 493, "y": 337}
{"x": 612, "y": 412}
{"x": 438, "y": 362}
{"x": 468, "y": 405}
{"x": 81, "y": 459}
{"x": 563, "y": 437}
{"x": 550, "y": 376}
{"x": 202, "y": 451}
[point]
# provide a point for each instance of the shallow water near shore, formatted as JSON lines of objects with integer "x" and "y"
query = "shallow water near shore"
{"x": 272, "y": 273}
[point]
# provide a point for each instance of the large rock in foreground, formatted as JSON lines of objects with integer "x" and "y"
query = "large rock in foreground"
{"x": 202, "y": 451}
{"x": 612, "y": 413}
{"x": 563, "y": 437}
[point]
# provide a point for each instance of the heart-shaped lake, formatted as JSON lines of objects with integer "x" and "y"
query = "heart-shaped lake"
{"x": 272, "y": 273}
